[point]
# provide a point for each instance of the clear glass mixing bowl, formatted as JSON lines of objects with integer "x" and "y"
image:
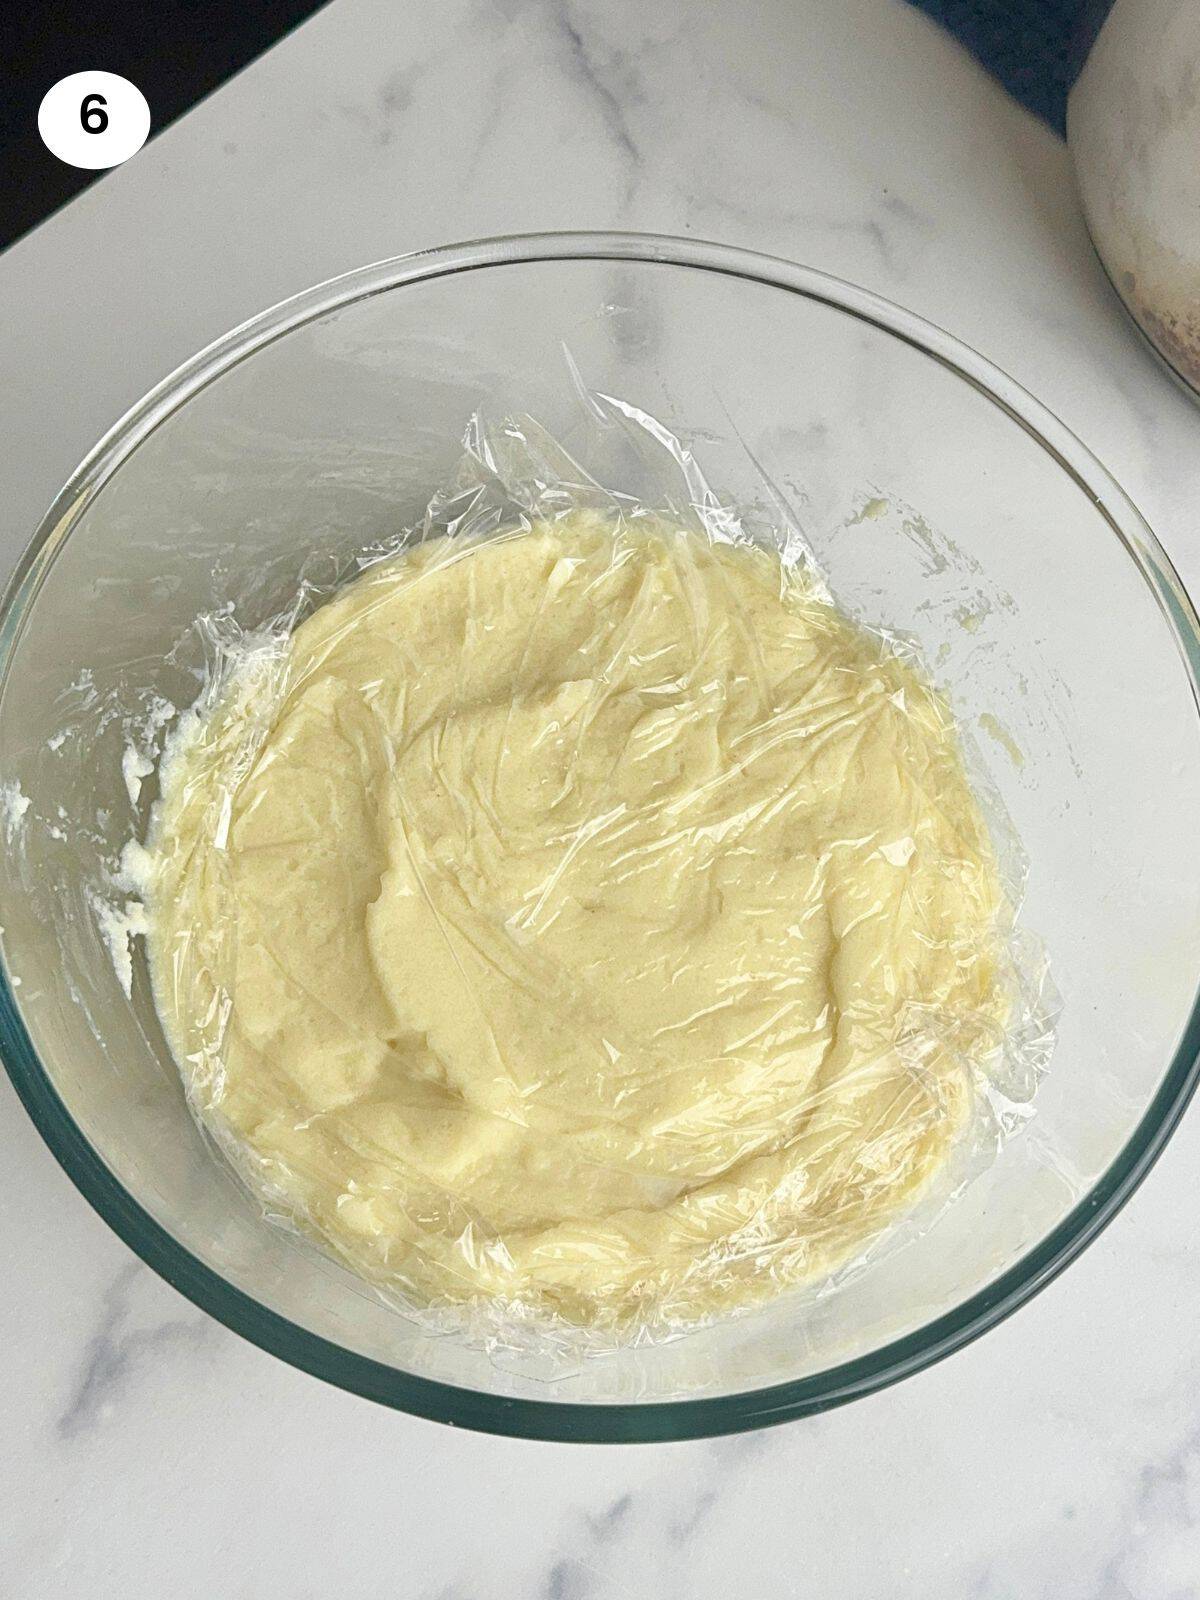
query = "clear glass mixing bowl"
{"x": 942, "y": 502}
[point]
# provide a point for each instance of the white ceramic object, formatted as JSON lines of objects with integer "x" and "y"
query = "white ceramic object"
{"x": 1133, "y": 125}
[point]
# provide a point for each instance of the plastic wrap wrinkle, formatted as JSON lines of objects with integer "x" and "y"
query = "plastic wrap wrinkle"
{"x": 578, "y": 924}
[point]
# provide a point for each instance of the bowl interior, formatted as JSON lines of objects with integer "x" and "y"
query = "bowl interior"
{"x": 934, "y": 509}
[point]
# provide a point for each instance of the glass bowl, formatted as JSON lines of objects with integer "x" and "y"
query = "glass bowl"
{"x": 943, "y": 503}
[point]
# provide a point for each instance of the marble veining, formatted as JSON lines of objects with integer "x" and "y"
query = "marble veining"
{"x": 115, "y": 1352}
{"x": 150, "y": 1451}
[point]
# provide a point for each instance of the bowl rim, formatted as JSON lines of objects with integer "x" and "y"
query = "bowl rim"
{"x": 547, "y": 1419}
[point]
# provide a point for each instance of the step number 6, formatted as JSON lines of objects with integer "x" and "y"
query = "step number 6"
{"x": 94, "y": 119}
{"x": 92, "y": 113}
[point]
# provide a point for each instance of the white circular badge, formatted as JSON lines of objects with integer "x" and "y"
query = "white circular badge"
{"x": 94, "y": 119}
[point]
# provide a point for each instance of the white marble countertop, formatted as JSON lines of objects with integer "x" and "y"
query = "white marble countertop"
{"x": 150, "y": 1452}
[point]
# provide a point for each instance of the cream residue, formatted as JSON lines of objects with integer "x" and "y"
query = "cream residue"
{"x": 995, "y": 729}
{"x": 135, "y": 765}
{"x": 13, "y": 806}
{"x": 870, "y": 510}
{"x": 119, "y": 925}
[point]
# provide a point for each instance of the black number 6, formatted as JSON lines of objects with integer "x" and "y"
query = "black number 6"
{"x": 92, "y": 114}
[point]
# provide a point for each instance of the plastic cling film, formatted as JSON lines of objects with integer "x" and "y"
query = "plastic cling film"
{"x": 579, "y": 925}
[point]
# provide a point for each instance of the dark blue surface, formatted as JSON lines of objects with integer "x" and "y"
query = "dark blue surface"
{"x": 1034, "y": 47}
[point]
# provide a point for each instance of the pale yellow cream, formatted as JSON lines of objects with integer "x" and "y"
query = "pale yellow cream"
{"x": 589, "y": 919}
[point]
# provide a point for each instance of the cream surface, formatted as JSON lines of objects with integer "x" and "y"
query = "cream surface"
{"x": 592, "y": 919}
